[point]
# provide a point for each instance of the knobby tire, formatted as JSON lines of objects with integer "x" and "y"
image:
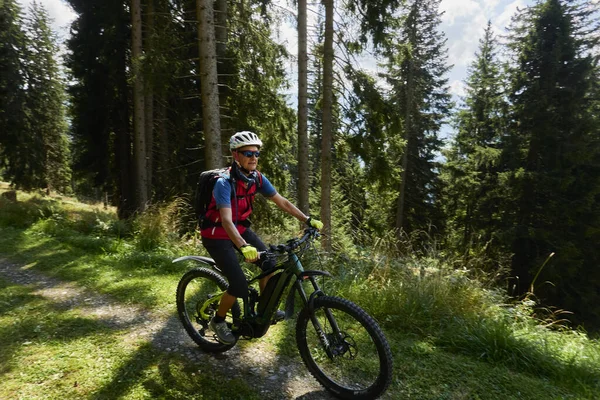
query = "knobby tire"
{"x": 362, "y": 365}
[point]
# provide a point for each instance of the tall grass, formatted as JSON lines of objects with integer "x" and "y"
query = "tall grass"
{"x": 422, "y": 295}
{"x": 161, "y": 224}
{"x": 23, "y": 214}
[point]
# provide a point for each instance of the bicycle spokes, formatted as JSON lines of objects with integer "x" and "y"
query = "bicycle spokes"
{"x": 198, "y": 295}
{"x": 343, "y": 348}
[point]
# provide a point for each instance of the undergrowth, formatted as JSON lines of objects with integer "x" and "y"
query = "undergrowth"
{"x": 424, "y": 297}
{"x": 413, "y": 292}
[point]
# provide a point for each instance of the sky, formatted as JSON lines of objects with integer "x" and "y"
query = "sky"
{"x": 463, "y": 23}
{"x": 59, "y": 11}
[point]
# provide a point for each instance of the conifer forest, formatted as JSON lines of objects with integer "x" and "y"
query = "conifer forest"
{"x": 146, "y": 93}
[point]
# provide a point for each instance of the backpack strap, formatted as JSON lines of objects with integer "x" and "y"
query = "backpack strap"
{"x": 260, "y": 181}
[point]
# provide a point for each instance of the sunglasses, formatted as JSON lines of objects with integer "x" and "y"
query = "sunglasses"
{"x": 248, "y": 153}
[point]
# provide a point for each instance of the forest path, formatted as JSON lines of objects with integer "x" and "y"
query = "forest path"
{"x": 273, "y": 376}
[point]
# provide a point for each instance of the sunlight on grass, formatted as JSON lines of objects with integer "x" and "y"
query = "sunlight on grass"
{"x": 50, "y": 352}
{"x": 452, "y": 335}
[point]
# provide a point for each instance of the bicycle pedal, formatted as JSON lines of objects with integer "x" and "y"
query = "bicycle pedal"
{"x": 278, "y": 316}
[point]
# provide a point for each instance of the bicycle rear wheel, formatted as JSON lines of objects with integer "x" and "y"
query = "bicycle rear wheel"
{"x": 195, "y": 287}
{"x": 356, "y": 363}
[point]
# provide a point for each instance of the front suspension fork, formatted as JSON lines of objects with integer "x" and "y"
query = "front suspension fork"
{"x": 309, "y": 302}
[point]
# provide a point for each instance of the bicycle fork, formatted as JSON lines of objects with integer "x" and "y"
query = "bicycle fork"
{"x": 309, "y": 302}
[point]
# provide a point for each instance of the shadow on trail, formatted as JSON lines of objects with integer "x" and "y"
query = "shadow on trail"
{"x": 185, "y": 371}
{"x": 167, "y": 363}
{"x": 34, "y": 320}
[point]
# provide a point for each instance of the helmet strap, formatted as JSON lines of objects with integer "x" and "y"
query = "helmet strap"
{"x": 242, "y": 173}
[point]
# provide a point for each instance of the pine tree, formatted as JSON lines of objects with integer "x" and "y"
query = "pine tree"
{"x": 552, "y": 156}
{"x": 46, "y": 102}
{"x": 21, "y": 165}
{"x": 303, "y": 144}
{"x": 255, "y": 102}
{"x": 375, "y": 17}
{"x": 373, "y": 126}
{"x": 328, "y": 131}
{"x": 417, "y": 65}
{"x": 171, "y": 70}
{"x": 101, "y": 111}
{"x": 473, "y": 161}
{"x": 140, "y": 175}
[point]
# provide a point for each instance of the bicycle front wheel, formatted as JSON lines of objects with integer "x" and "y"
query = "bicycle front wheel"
{"x": 195, "y": 288}
{"x": 351, "y": 358}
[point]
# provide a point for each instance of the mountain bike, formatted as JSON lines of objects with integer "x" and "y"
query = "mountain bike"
{"x": 341, "y": 345}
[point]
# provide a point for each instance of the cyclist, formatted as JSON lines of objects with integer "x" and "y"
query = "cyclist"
{"x": 225, "y": 227}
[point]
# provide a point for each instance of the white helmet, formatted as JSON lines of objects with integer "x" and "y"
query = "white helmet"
{"x": 244, "y": 138}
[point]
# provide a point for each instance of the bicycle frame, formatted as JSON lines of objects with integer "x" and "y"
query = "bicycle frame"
{"x": 253, "y": 324}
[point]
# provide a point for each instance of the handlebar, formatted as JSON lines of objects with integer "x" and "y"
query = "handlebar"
{"x": 292, "y": 244}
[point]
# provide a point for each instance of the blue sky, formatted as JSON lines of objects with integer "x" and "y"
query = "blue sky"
{"x": 463, "y": 23}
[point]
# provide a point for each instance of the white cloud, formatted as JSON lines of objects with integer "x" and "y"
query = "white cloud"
{"x": 490, "y": 5}
{"x": 454, "y": 9}
{"x": 59, "y": 12}
{"x": 464, "y": 43}
{"x": 457, "y": 88}
{"x": 463, "y": 25}
{"x": 502, "y": 21}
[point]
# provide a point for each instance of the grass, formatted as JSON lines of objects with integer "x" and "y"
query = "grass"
{"x": 430, "y": 372}
{"x": 47, "y": 351}
{"x": 452, "y": 337}
{"x": 460, "y": 316}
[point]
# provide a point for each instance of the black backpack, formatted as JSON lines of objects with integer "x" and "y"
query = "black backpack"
{"x": 204, "y": 190}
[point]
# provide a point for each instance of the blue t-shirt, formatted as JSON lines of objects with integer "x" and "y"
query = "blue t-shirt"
{"x": 222, "y": 191}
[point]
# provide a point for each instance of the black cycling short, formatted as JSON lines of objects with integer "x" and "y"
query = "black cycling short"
{"x": 226, "y": 255}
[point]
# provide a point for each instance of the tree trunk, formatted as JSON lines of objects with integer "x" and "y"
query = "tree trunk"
{"x": 408, "y": 124}
{"x": 303, "y": 158}
{"x": 223, "y": 67}
{"x": 123, "y": 143}
{"x": 209, "y": 85}
{"x": 139, "y": 143}
{"x": 163, "y": 162}
{"x": 403, "y": 177}
{"x": 400, "y": 210}
{"x": 221, "y": 29}
{"x": 327, "y": 139}
{"x": 149, "y": 102}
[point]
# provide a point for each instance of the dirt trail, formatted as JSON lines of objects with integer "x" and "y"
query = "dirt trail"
{"x": 274, "y": 377}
